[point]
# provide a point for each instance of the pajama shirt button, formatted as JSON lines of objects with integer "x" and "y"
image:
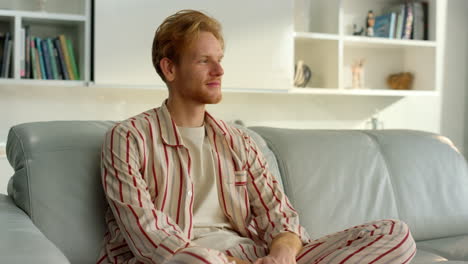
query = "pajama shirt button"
{"x": 189, "y": 193}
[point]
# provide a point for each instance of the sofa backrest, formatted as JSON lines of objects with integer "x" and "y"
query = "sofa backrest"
{"x": 340, "y": 178}
{"x": 57, "y": 181}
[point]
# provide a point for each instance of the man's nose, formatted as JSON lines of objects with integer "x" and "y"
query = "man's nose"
{"x": 218, "y": 69}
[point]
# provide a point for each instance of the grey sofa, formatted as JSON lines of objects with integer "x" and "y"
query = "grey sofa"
{"x": 54, "y": 209}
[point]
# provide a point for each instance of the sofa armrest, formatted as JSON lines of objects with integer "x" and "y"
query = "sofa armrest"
{"x": 21, "y": 241}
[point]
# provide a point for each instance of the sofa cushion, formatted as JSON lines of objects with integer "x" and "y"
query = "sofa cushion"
{"x": 340, "y": 178}
{"x": 57, "y": 183}
{"x": 334, "y": 179}
{"x": 453, "y": 248}
{"x": 430, "y": 181}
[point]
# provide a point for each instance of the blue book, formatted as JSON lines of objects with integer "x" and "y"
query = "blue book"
{"x": 393, "y": 22}
{"x": 41, "y": 58}
{"x": 383, "y": 27}
{"x": 47, "y": 63}
{"x": 52, "y": 58}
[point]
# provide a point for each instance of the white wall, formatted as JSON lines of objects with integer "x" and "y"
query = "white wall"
{"x": 249, "y": 28}
{"x": 453, "y": 124}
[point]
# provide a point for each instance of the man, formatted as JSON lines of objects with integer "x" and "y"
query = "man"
{"x": 184, "y": 187}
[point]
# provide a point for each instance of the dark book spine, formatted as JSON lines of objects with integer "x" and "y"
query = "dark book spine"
{"x": 425, "y": 6}
{"x": 8, "y": 72}
{"x": 58, "y": 63}
{"x": 47, "y": 64}
{"x": 4, "y": 57}
{"x": 27, "y": 54}
{"x": 62, "y": 59}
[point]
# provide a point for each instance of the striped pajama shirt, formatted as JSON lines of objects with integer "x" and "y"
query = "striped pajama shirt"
{"x": 149, "y": 189}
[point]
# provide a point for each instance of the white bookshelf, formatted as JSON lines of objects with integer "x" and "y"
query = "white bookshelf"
{"x": 324, "y": 41}
{"x": 362, "y": 92}
{"x": 69, "y": 17}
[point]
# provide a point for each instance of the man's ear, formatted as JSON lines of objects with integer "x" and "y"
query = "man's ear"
{"x": 168, "y": 69}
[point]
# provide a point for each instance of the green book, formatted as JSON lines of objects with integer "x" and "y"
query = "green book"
{"x": 53, "y": 63}
{"x": 72, "y": 59}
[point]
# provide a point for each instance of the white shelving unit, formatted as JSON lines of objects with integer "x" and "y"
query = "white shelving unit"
{"x": 325, "y": 42}
{"x": 69, "y": 17}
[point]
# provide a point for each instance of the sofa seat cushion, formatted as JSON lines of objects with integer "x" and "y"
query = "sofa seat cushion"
{"x": 426, "y": 257}
{"x": 452, "y": 248}
{"x": 21, "y": 241}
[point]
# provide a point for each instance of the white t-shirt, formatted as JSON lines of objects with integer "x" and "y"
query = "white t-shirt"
{"x": 211, "y": 228}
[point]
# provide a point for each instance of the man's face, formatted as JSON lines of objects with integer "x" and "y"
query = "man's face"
{"x": 198, "y": 74}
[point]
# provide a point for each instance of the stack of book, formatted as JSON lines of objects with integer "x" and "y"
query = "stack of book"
{"x": 404, "y": 21}
{"x": 6, "y": 54}
{"x": 50, "y": 58}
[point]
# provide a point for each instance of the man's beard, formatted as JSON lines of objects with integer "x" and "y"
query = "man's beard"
{"x": 206, "y": 98}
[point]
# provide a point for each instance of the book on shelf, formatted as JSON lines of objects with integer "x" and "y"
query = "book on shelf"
{"x": 400, "y": 12}
{"x": 4, "y": 47}
{"x": 49, "y": 58}
{"x": 385, "y": 25}
{"x": 426, "y": 19}
{"x": 8, "y": 55}
{"x": 63, "y": 66}
{"x": 38, "y": 61}
{"x": 32, "y": 51}
{"x": 47, "y": 62}
{"x": 52, "y": 58}
{"x": 412, "y": 20}
{"x": 66, "y": 55}
{"x": 60, "y": 74}
{"x": 419, "y": 21}
{"x": 40, "y": 57}
{"x": 72, "y": 59}
{"x": 408, "y": 26}
{"x": 27, "y": 52}
{"x": 22, "y": 54}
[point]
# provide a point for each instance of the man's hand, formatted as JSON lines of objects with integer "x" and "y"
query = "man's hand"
{"x": 284, "y": 249}
{"x": 237, "y": 260}
{"x": 281, "y": 256}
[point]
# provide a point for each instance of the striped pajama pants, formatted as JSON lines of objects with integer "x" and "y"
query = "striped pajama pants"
{"x": 384, "y": 241}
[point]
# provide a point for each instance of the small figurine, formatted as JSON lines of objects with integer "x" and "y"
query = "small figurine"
{"x": 370, "y": 21}
{"x": 357, "y": 33}
{"x": 357, "y": 70}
